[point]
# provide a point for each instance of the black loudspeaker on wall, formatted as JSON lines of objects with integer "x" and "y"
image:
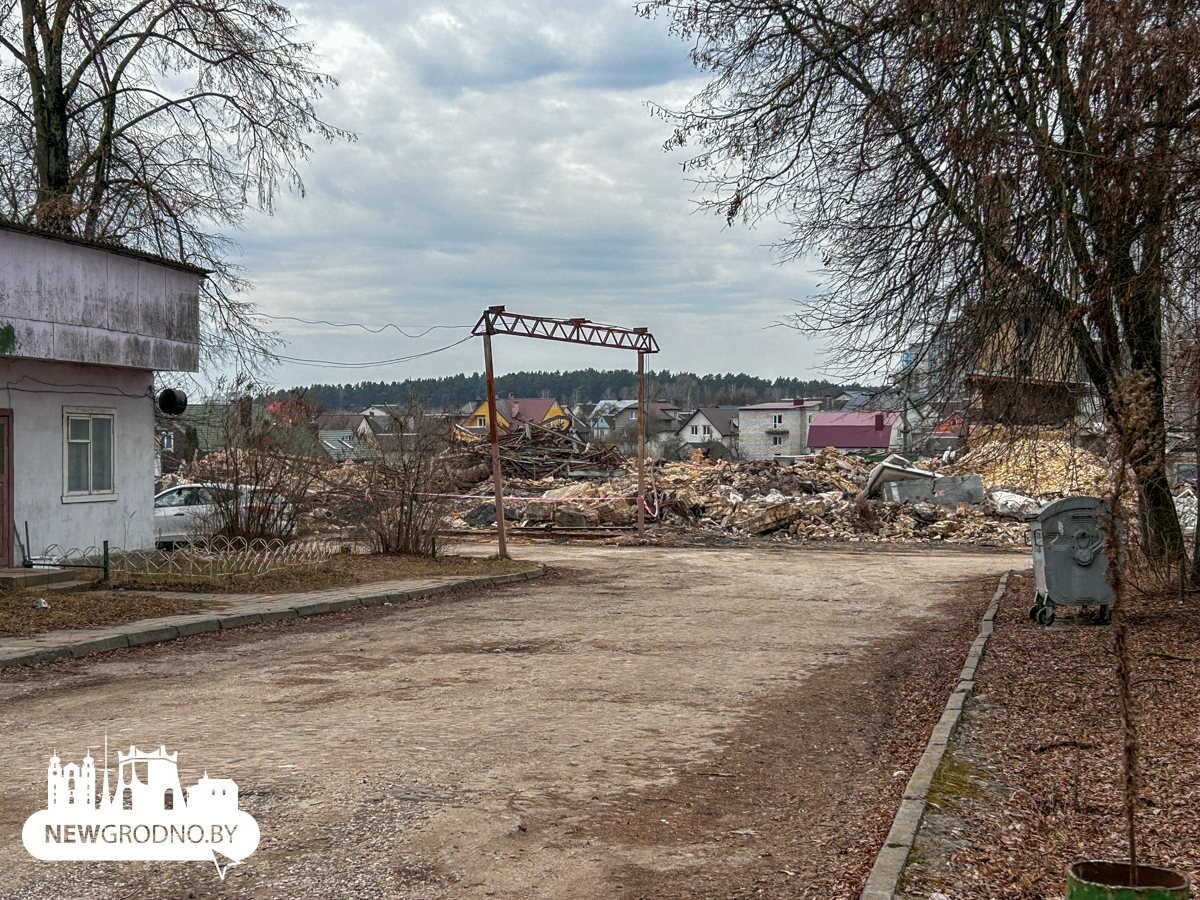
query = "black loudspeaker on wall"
{"x": 172, "y": 401}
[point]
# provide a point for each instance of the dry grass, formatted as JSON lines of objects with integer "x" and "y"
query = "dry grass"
{"x": 131, "y": 601}
{"x": 343, "y": 570}
{"x": 86, "y": 609}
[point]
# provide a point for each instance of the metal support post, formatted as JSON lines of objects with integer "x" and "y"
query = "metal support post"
{"x": 107, "y": 570}
{"x": 641, "y": 500}
{"x": 494, "y": 437}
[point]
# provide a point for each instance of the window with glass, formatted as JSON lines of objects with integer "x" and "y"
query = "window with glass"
{"x": 777, "y": 441}
{"x": 89, "y": 452}
{"x": 777, "y": 419}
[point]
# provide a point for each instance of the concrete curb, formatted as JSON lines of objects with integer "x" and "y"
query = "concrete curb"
{"x": 893, "y": 855}
{"x": 83, "y": 642}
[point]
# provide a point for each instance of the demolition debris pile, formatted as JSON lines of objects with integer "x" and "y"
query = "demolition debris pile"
{"x": 535, "y": 451}
{"x": 1043, "y": 468}
{"x": 979, "y": 500}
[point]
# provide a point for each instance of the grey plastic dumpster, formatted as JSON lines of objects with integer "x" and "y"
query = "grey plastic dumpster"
{"x": 1069, "y": 564}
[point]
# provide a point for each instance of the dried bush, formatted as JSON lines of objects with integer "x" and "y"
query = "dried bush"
{"x": 396, "y": 496}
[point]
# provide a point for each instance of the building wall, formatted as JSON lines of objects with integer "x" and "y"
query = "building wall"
{"x": 754, "y": 441}
{"x": 76, "y": 303}
{"x": 36, "y": 392}
{"x": 699, "y": 420}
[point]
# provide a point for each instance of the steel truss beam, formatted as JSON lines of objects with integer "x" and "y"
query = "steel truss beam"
{"x": 571, "y": 331}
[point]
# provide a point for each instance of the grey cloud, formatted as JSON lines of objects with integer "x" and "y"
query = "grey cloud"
{"x": 507, "y": 155}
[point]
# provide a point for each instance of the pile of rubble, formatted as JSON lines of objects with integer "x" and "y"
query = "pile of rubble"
{"x": 535, "y": 452}
{"x": 1040, "y": 467}
{"x": 823, "y": 499}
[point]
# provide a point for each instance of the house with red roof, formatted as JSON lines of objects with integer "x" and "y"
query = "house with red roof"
{"x": 857, "y": 432}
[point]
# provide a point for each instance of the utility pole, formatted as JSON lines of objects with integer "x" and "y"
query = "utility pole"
{"x": 494, "y": 439}
{"x": 641, "y": 497}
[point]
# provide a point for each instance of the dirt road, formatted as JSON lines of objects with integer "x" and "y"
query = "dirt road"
{"x": 609, "y": 730}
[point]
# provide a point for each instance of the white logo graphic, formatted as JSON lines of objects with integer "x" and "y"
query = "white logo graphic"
{"x": 148, "y": 817}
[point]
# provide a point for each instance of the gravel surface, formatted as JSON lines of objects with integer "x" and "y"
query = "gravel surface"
{"x": 641, "y": 722}
{"x": 1031, "y": 782}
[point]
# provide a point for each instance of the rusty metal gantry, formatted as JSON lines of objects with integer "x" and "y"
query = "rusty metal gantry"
{"x": 495, "y": 320}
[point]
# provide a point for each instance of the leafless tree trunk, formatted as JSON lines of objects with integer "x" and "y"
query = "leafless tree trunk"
{"x": 99, "y": 138}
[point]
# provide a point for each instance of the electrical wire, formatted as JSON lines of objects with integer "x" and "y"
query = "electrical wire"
{"x": 334, "y": 364}
{"x": 51, "y": 387}
{"x": 379, "y": 330}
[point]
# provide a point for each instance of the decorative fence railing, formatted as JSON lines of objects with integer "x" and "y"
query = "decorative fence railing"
{"x": 214, "y": 558}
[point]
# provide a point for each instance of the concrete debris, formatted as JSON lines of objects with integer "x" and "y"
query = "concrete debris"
{"x": 820, "y": 499}
{"x": 484, "y": 515}
{"x": 949, "y": 490}
{"x": 894, "y": 468}
{"x": 40, "y": 603}
{"x": 568, "y": 516}
{"x": 1011, "y": 506}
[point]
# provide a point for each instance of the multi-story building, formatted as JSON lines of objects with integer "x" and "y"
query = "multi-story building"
{"x": 780, "y": 428}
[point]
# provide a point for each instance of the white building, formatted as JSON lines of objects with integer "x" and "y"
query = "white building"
{"x": 83, "y": 328}
{"x": 708, "y": 425}
{"x": 780, "y": 428}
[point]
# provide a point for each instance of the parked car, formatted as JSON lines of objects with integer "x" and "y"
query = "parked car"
{"x": 191, "y": 512}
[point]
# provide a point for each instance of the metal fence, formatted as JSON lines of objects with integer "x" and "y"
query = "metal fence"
{"x": 214, "y": 558}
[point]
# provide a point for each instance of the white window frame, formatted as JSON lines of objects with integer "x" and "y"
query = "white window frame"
{"x": 88, "y": 496}
{"x": 776, "y": 441}
{"x": 167, "y": 444}
{"x": 695, "y": 429}
{"x": 708, "y": 429}
{"x": 777, "y": 419}
{"x": 481, "y": 421}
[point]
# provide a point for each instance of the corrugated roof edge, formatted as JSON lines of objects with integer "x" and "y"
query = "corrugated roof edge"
{"x": 118, "y": 249}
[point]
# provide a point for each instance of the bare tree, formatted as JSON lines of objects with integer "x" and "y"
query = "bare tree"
{"x": 154, "y": 124}
{"x": 991, "y": 178}
{"x": 400, "y": 495}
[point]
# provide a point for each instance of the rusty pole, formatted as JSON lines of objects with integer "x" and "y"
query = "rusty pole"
{"x": 641, "y": 501}
{"x": 494, "y": 438}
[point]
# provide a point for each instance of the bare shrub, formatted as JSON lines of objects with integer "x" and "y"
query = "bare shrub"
{"x": 395, "y": 496}
{"x": 266, "y": 460}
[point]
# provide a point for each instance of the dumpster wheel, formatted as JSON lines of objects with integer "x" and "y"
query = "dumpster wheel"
{"x": 1038, "y": 602}
{"x": 1045, "y": 615}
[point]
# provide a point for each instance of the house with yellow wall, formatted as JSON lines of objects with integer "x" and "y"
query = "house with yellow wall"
{"x": 513, "y": 413}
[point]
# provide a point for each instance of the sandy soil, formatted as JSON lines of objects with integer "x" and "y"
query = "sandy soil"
{"x": 584, "y": 735}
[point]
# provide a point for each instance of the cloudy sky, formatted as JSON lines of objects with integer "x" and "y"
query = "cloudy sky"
{"x": 507, "y": 154}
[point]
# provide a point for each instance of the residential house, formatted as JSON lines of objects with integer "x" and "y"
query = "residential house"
{"x": 939, "y": 427}
{"x": 779, "y": 428}
{"x": 603, "y": 417}
{"x": 513, "y": 413}
{"x": 849, "y": 401}
{"x": 83, "y": 329}
{"x": 711, "y": 424}
{"x": 341, "y": 444}
{"x": 857, "y": 432}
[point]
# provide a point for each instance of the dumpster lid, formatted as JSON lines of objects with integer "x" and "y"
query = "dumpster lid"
{"x": 1098, "y": 505}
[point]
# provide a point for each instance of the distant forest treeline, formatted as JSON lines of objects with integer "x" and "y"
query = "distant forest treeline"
{"x": 577, "y": 386}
